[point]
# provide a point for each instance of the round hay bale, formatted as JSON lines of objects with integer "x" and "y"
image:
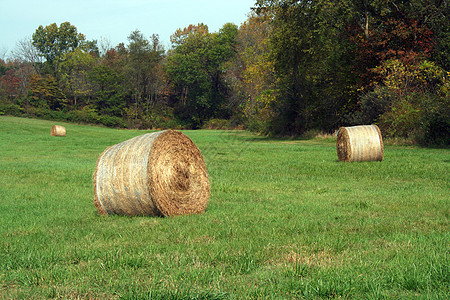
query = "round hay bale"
{"x": 359, "y": 143}
{"x": 58, "y": 130}
{"x": 155, "y": 174}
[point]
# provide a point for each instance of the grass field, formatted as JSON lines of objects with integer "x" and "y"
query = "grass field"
{"x": 285, "y": 220}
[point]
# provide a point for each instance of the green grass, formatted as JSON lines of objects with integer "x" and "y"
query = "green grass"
{"x": 285, "y": 220}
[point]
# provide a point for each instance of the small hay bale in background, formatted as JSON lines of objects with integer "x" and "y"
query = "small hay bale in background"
{"x": 155, "y": 174}
{"x": 58, "y": 130}
{"x": 359, "y": 143}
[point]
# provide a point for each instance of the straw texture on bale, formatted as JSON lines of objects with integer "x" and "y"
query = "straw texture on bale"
{"x": 155, "y": 174}
{"x": 58, "y": 130}
{"x": 359, "y": 143}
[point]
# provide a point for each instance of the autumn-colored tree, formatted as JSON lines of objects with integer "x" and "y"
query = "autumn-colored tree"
{"x": 394, "y": 38}
{"x": 14, "y": 78}
{"x": 253, "y": 71}
{"x": 181, "y": 36}
{"x": 10, "y": 84}
{"x": 3, "y": 67}
{"x": 45, "y": 93}
{"x": 399, "y": 87}
{"x": 410, "y": 101}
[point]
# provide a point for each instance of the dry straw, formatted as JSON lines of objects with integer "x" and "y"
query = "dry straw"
{"x": 157, "y": 174}
{"x": 359, "y": 143}
{"x": 58, "y": 130}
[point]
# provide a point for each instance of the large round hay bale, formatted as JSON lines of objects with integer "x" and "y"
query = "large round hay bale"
{"x": 58, "y": 130}
{"x": 359, "y": 143}
{"x": 155, "y": 174}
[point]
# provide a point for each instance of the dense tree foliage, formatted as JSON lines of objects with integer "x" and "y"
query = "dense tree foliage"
{"x": 312, "y": 65}
{"x": 196, "y": 68}
{"x": 253, "y": 71}
{"x": 292, "y": 67}
{"x": 351, "y": 62}
{"x": 52, "y": 41}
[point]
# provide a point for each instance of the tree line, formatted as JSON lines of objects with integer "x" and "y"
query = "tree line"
{"x": 294, "y": 67}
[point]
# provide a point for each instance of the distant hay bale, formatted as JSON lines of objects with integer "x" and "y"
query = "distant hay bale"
{"x": 359, "y": 143}
{"x": 58, "y": 130}
{"x": 155, "y": 174}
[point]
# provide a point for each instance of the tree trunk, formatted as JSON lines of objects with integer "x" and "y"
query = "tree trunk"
{"x": 366, "y": 28}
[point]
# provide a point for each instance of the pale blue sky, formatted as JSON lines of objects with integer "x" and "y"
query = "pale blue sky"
{"x": 114, "y": 20}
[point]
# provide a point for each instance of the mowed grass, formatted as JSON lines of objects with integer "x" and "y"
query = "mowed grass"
{"x": 285, "y": 220}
